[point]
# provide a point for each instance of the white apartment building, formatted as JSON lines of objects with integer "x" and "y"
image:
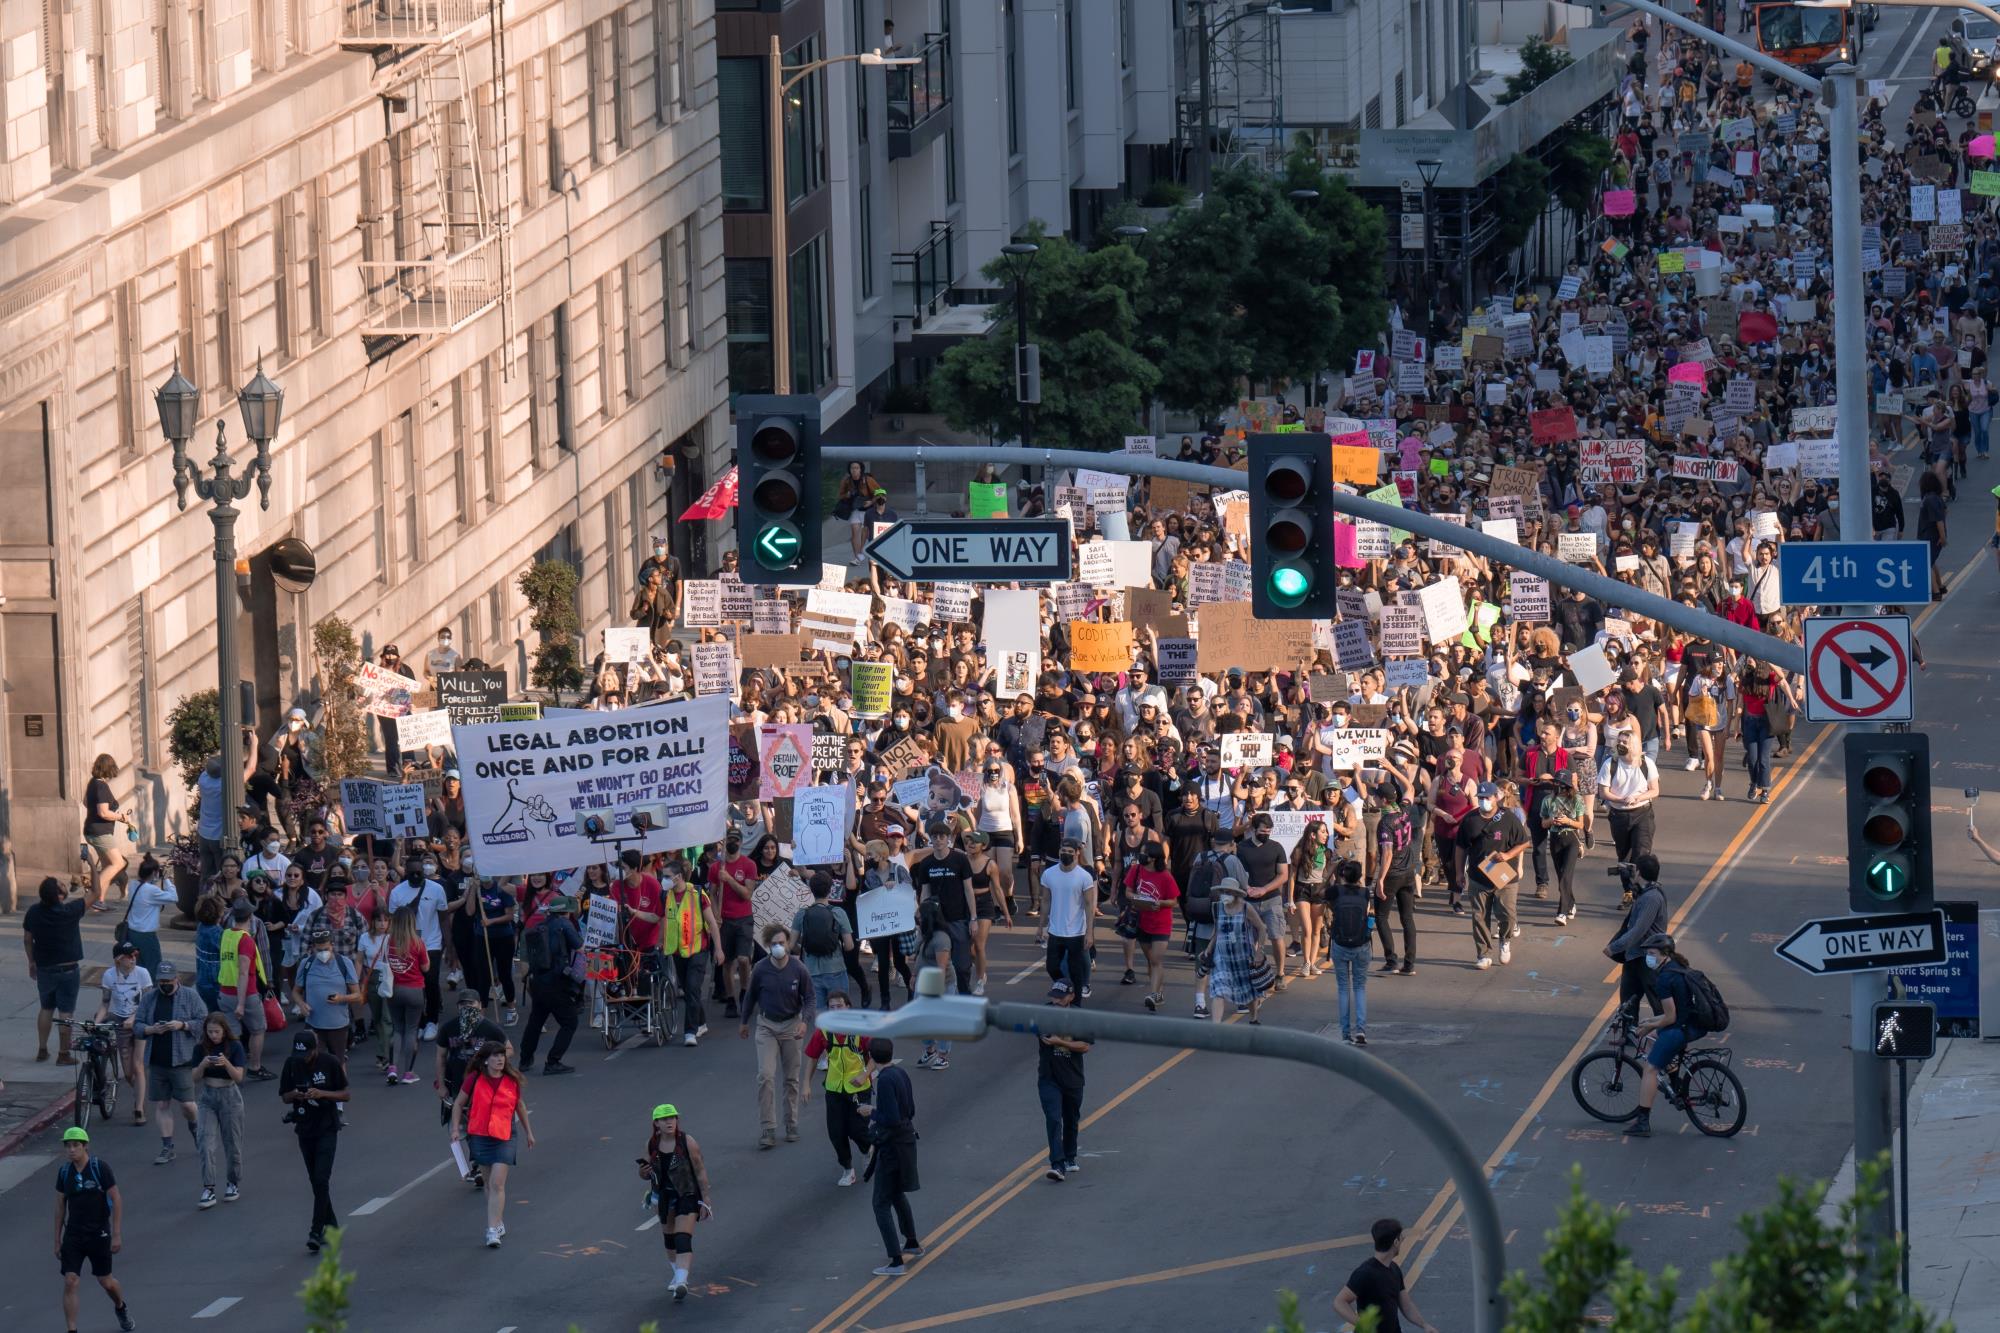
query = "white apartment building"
{"x": 481, "y": 251}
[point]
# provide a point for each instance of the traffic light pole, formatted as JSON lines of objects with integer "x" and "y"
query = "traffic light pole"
{"x": 1611, "y": 592}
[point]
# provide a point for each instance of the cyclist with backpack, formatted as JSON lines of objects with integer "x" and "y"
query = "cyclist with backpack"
{"x": 1690, "y": 1008}
{"x": 550, "y": 947}
{"x": 1350, "y": 914}
{"x": 823, "y": 935}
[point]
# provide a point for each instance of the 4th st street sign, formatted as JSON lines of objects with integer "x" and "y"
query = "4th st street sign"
{"x": 976, "y": 550}
{"x": 1866, "y": 943}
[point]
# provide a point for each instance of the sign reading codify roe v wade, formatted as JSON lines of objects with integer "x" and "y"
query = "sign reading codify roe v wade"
{"x": 1026, "y": 550}
{"x": 1838, "y": 573}
{"x": 529, "y": 786}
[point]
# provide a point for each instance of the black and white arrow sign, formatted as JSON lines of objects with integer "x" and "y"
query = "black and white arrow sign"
{"x": 1866, "y": 943}
{"x": 975, "y": 550}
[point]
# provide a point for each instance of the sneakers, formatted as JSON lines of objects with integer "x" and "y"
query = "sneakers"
{"x": 430, "y": 1032}
{"x": 690, "y": 1039}
{"x": 1562, "y": 919}
{"x": 1130, "y": 978}
{"x": 940, "y": 1062}
{"x": 1360, "y": 1039}
{"x": 791, "y": 1136}
{"x": 453, "y": 978}
{"x": 766, "y": 1143}
{"x": 493, "y": 1238}
{"x": 924, "y": 1060}
{"x": 1201, "y": 1009}
{"x": 1389, "y": 966}
{"x": 1071, "y": 1168}
{"x": 680, "y": 1289}
{"x": 1086, "y": 990}
{"x": 912, "y": 1250}
{"x": 125, "y": 1320}
{"x": 230, "y": 1194}
{"x": 510, "y": 1018}
{"x": 1514, "y": 934}
{"x": 1693, "y": 765}
{"x": 1055, "y": 1173}
{"x": 1152, "y": 1004}
{"x": 166, "y": 1156}
{"x": 557, "y": 1067}
{"x": 1506, "y": 952}
{"x": 891, "y": 1270}
{"x": 1408, "y": 969}
{"x": 979, "y": 985}
{"x": 847, "y": 1178}
{"x": 1483, "y": 964}
{"x": 1707, "y": 792}
{"x": 393, "y": 1080}
{"x": 207, "y": 1200}
{"x": 409, "y": 1078}
{"x": 1642, "y": 1127}
{"x": 312, "y": 1241}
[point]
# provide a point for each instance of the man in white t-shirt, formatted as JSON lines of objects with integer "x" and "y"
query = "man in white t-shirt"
{"x": 427, "y": 895}
{"x": 270, "y": 860}
{"x": 1071, "y": 891}
{"x": 123, "y": 983}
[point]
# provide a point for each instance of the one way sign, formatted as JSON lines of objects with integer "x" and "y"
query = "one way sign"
{"x": 1866, "y": 943}
{"x": 977, "y": 550}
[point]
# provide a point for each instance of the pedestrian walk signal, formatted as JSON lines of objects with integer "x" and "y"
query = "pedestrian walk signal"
{"x": 1291, "y": 527}
{"x": 1905, "y": 1030}
{"x": 777, "y": 467}
{"x": 1889, "y": 822}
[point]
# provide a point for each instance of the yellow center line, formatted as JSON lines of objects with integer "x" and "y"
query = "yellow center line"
{"x": 1116, "y": 1283}
{"x": 1716, "y": 871}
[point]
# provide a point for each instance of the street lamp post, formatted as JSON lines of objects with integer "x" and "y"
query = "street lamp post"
{"x": 262, "y": 403}
{"x": 1429, "y": 167}
{"x": 782, "y": 78}
{"x": 1027, "y": 374}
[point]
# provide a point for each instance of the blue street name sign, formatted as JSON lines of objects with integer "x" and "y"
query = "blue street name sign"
{"x": 1846, "y": 573}
{"x": 1953, "y": 985}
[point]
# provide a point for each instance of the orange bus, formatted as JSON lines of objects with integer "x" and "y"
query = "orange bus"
{"x": 1805, "y": 38}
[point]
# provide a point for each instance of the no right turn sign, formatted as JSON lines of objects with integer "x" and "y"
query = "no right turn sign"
{"x": 1858, "y": 669}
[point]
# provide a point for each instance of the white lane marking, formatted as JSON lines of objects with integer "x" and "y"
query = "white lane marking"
{"x": 508, "y": 1329}
{"x": 14, "y": 1170}
{"x": 1922, "y": 24}
{"x": 377, "y": 1205}
{"x": 1025, "y": 973}
{"x": 216, "y": 1307}
{"x": 652, "y": 1221}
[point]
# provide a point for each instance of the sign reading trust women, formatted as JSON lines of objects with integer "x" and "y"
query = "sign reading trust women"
{"x": 530, "y": 785}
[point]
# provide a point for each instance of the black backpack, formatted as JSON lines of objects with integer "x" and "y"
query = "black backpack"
{"x": 1350, "y": 916}
{"x": 1198, "y": 904}
{"x": 821, "y": 934}
{"x": 1706, "y": 1009}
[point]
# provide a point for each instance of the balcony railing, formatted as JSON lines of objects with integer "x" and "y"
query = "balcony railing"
{"x": 919, "y": 96}
{"x": 923, "y": 277}
{"x": 376, "y": 24}
{"x": 408, "y": 297}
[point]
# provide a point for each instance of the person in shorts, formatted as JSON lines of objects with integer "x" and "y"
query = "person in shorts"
{"x": 680, "y": 1184}
{"x": 167, "y": 1020}
{"x": 90, "y": 1216}
{"x": 731, "y": 876}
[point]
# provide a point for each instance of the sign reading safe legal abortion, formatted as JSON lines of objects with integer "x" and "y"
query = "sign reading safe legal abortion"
{"x": 975, "y": 550}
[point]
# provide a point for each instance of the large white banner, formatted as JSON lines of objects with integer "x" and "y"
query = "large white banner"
{"x": 530, "y": 785}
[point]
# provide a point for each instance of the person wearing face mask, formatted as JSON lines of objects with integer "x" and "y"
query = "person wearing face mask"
{"x": 731, "y": 878}
{"x": 270, "y": 860}
{"x": 323, "y": 987}
{"x": 1645, "y": 916}
{"x": 954, "y": 734}
{"x": 169, "y": 1018}
{"x": 440, "y": 659}
{"x": 421, "y": 892}
{"x": 781, "y": 999}
{"x": 1070, "y": 890}
{"x": 1673, "y": 1019}
{"x": 241, "y": 974}
{"x": 1268, "y": 891}
{"x": 1495, "y": 841}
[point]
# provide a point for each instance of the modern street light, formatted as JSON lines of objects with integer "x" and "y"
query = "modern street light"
{"x": 782, "y": 79}
{"x": 1428, "y": 167}
{"x": 934, "y": 1015}
{"x": 1027, "y": 363}
{"x": 262, "y": 403}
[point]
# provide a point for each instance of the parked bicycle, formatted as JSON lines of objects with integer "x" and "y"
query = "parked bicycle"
{"x": 96, "y": 1049}
{"x": 1700, "y": 1082}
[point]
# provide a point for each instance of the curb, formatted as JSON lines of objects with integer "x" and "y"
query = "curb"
{"x": 38, "y": 1122}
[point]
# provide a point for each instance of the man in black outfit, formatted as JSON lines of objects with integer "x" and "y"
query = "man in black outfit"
{"x": 553, "y": 995}
{"x": 1059, "y": 1081}
{"x": 946, "y": 875}
{"x": 314, "y": 1085}
{"x": 1378, "y": 1285}
{"x": 1646, "y": 917}
{"x": 89, "y": 1218}
{"x": 892, "y": 1116}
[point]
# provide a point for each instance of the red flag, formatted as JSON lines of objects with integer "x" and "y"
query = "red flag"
{"x": 716, "y": 501}
{"x": 1756, "y": 326}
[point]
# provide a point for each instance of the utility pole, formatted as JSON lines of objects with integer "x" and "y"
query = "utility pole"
{"x": 1203, "y": 100}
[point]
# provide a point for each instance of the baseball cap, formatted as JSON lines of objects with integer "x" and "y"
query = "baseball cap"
{"x": 560, "y": 904}
{"x": 469, "y": 998}
{"x": 1487, "y": 789}
{"x": 124, "y": 950}
{"x": 666, "y": 1111}
{"x": 297, "y": 713}
{"x": 894, "y": 831}
{"x": 1059, "y": 990}
{"x": 76, "y": 1134}
{"x": 318, "y": 933}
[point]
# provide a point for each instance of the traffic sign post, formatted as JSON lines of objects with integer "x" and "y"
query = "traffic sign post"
{"x": 1858, "y": 669}
{"x": 1833, "y": 944}
{"x": 1840, "y": 573}
{"x": 978, "y": 550}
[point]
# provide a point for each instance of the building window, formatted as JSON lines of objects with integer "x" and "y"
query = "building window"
{"x": 1371, "y": 114}
{"x": 379, "y": 473}
{"x": 867, "y": 243}
{"x": 604, "y": 56}
{"x": 1126, "y": 37}
{"x": 1069, "y": 54}
{"x": 1401, "y": 101}
{"x": 542, "y": 390}
{"x": 669, "y": 59}
{"x": 951, "y": 164}
{"x": 805, "y": 125}
{"x": 131, "y": 387}
{"x": 408, "y": 481}
{"x": 812, "y": 347}
{"x": 747, "y": 285}
{"x": 1010, "y": 35}
{"x": 740, "y": 88}
{"x": 678, "y": 268}
{"x": 859, "y": 22}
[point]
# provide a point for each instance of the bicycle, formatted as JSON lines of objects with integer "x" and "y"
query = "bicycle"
{"x": 96, "y": 1050}
{"x": 1700, "y": 1082}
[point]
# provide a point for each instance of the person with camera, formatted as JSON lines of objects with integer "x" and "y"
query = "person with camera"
{"x": 552, "y": 992}
{"x": 892, "y": 1126}
{"x": 324, "y": 987}
{"x": 314, "y": 1085}
{"x": 1646, "y": 917}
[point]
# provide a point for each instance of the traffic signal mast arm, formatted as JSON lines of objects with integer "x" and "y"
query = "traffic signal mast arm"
{"x": 1609, "y": 591}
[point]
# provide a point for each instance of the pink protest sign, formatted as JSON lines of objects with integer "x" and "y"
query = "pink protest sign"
{"x": 1688, "y": 372}
{"x": 1620, "y": 203}
{"x": 1346, "y": 546}
{"x": 1411, "y": 453}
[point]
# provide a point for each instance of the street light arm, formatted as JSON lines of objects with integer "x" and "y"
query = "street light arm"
{"x": 866, "y": 59}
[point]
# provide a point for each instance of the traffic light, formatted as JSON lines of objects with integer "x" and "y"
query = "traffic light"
{"x": 1291, "y": 527}
{"x": 777, "y": 471}
{"x": 1889, "y": 822}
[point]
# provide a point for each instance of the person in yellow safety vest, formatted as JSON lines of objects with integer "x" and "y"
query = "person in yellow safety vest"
{"x": 1940, "y": 64}
{"x": 240, "y": 997}
{"x": 847, "y": 1081}
{"x": 690, "y": 937}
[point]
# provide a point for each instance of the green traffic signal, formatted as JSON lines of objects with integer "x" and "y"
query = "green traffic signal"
{"x": 777, "y": 546}
{"x": 1887, "y": 878}
{"x": 1289, "y": 585}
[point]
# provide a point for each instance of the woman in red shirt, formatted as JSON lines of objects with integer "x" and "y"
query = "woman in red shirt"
{"x": 408, "y": 960}
{"x": 1151, "y": 890}
{"x": 484, "y": 1112}
{"x": 1759, "y": 689}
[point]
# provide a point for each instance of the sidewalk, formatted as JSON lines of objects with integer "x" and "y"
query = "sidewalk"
{"x": 39, "y": 1093}
{"x": 1955, "y": 1172}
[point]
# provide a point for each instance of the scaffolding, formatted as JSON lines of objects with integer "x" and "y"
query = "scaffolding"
{"x": 1246, "y": 113}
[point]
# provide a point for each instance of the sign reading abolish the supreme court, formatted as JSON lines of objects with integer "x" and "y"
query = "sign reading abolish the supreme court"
{"x": 530, "y": 785}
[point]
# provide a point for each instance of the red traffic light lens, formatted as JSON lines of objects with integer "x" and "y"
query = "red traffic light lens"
{"x": 775, "y": 443}
{"x": 1288, "y": 480}
{"x": 1883, "y": 781}
{"x": 1884, "y": 828}
{"x": 776, "y": 493}
{"x": 1287, "y": 533}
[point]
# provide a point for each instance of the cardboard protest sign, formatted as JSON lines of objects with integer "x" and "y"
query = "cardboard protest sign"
{"x": 714, "y": 668}
{"x": 820, "y": 817}
{"x": 384, "y": 693}
{"x": 890, "y": 910}
{"x": 778, "y": 897}
{"x": 1578, "y": 548}
{"x": 1246, "y": 749}
{"x": 785, "y": 759}
{"x": 1097, "y": 646}
{"x": 1231, "y": 635}
{"x": 1553, "y": 425}
{"x": 384, "y": 810}
{"x": 1527, "y": 597}
{"x": 1691, "y": 468}
{"x": 1443, "y": 605}
{"x": 420, "y": 731}
{"x": 872, "y": 684}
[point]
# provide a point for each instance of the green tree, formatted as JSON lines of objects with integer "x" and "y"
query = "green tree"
{"x": 343, "y": 735}
{"x": 1357, "y": 235}
{"x": 1520, "y": 195}
{"x": 194, "y": 732}
{"x": 1577, "y": 158}
{"x": 1539, "y": 62}
{"x": 550, "y": 589}
{"x": 1095, "y": 382}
